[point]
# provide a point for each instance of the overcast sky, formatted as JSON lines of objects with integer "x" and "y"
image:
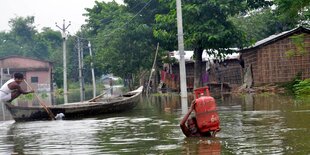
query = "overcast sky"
{"x": 46, "y": 12}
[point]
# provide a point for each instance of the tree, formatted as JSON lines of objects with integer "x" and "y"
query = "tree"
{"x": 24, "y": 34}
{"x": 123, "y": 41}
{"x": 8, "y": 45}
{"x": 52, "y": 40}
{"x": 23, "y": 28}
{"x": 292, "y": 10}
{"x": 260, "y": 24}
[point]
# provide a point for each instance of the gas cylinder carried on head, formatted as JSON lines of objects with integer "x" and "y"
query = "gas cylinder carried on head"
{"x": 206, "y": 111}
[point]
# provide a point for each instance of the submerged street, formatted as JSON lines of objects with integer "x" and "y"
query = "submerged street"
{"x": 64, "y": 54}
{"x": 260, "y": 124}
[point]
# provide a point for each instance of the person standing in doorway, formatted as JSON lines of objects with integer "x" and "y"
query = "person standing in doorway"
{"x": 12, "y": 89}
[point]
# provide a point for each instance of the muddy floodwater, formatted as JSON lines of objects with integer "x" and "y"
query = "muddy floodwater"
{"x": 250, "y": 124}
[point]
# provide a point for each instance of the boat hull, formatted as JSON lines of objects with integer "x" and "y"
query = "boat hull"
{"x": 78, "y": 110}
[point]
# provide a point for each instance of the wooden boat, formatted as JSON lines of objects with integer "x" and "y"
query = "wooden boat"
{"x": 95, "y": 106}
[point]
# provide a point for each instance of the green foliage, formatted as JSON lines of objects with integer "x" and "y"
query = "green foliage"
{"x": 260, "y": 24}
{"x": 27, "y": 97}
{"x": 206, "y": 26}
{"x": 300, "y": 46}
{"x": 169, "y": 60}
{"x": 124, "y": 37}
{"x": 74, "y": 85}
{"x": 59, "y": 92}
{"x": 302, "y": 89}
{"x": 23, "y": 28}
{"x": 290, "y": 85}
{"x": 24, "y": 35}
{"x": 294, "y": 9}
{"x": 23, "y": 39}
{"x": 123, "y": 41}
{"x": 43, "y": 95}
{"x": 119, "y": 81}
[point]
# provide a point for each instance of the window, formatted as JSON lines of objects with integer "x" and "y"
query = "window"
{"x": 34, "y": 79}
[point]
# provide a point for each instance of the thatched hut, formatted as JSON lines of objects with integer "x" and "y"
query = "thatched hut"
{"x": 279, "y": 58}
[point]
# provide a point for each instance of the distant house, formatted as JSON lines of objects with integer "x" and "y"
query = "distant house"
{"x": 279, "y": 58}
{"x": 215, "y": 72}
{"x": 229, "y": 71}
{"x": 170, "y": 74}
{"x": 171, "y": 77}
{"x": 37, "y": 72}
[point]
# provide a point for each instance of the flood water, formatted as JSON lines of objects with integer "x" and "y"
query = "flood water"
{"x": 250, "y": 124}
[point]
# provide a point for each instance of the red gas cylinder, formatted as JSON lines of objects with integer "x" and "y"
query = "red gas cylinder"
{"x": 206, "y": 111}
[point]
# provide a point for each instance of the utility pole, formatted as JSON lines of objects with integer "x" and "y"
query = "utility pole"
{"x": 92, "y": 70}
{"x": 82, "y": 65}
{"x": 181, "y": 51}
{"x": 80, "y": 70}
{"x": 64, "y": 37}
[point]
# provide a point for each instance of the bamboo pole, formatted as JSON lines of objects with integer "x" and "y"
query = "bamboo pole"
{"x": 49, "y": 112}
{"x": 148, "y": 84}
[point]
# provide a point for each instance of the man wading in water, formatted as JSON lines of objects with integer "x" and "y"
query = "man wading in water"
{"x": 192, "y": 130}
{"x": 11, "y": 89}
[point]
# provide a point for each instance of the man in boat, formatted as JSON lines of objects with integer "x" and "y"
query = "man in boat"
{"x": 192, "y": 130}
{"x": 11, "y": 89}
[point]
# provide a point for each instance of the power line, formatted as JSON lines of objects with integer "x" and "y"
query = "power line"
{"x": 131, "y": 18}
{"x": 121, "y": 27}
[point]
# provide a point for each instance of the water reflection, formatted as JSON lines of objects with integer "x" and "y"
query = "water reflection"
{"x": 250, "y": 124}
{"x": 184, "y": 105}
{"x": 202, "y": 146}
{"x": 264, "y": 124}
{"x": 4, "y": 113}
{"x": 138, "y": 135}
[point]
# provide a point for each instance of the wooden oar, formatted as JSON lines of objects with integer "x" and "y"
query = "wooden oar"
{"x": 49, "y": 112}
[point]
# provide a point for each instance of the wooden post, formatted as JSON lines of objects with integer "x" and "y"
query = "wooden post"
{"x": 152, "y": 70}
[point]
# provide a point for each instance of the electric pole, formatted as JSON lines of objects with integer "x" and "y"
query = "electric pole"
{"x": 181, "y": 51}
{"x": 92, "y": 70}
{"x": 80, "y": 70}
{"x": 64, "y": 37}
{"x": 82, "y": 65}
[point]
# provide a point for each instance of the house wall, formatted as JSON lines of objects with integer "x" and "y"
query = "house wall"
{"x": 277, "y": 67}
{"x": 250, "y": 59}
{"x": 30, "y": 68}
{"x": 270, "y": 63}
{"x": 231, "y": 72}
{"x": 190, "y": 68}
{"x": 44, "y": 80}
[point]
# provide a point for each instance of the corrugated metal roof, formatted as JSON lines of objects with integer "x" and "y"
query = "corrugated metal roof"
{"x": 276, "y": 37}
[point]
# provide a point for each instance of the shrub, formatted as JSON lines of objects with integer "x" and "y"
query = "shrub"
{"x": 302, "y": 89}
